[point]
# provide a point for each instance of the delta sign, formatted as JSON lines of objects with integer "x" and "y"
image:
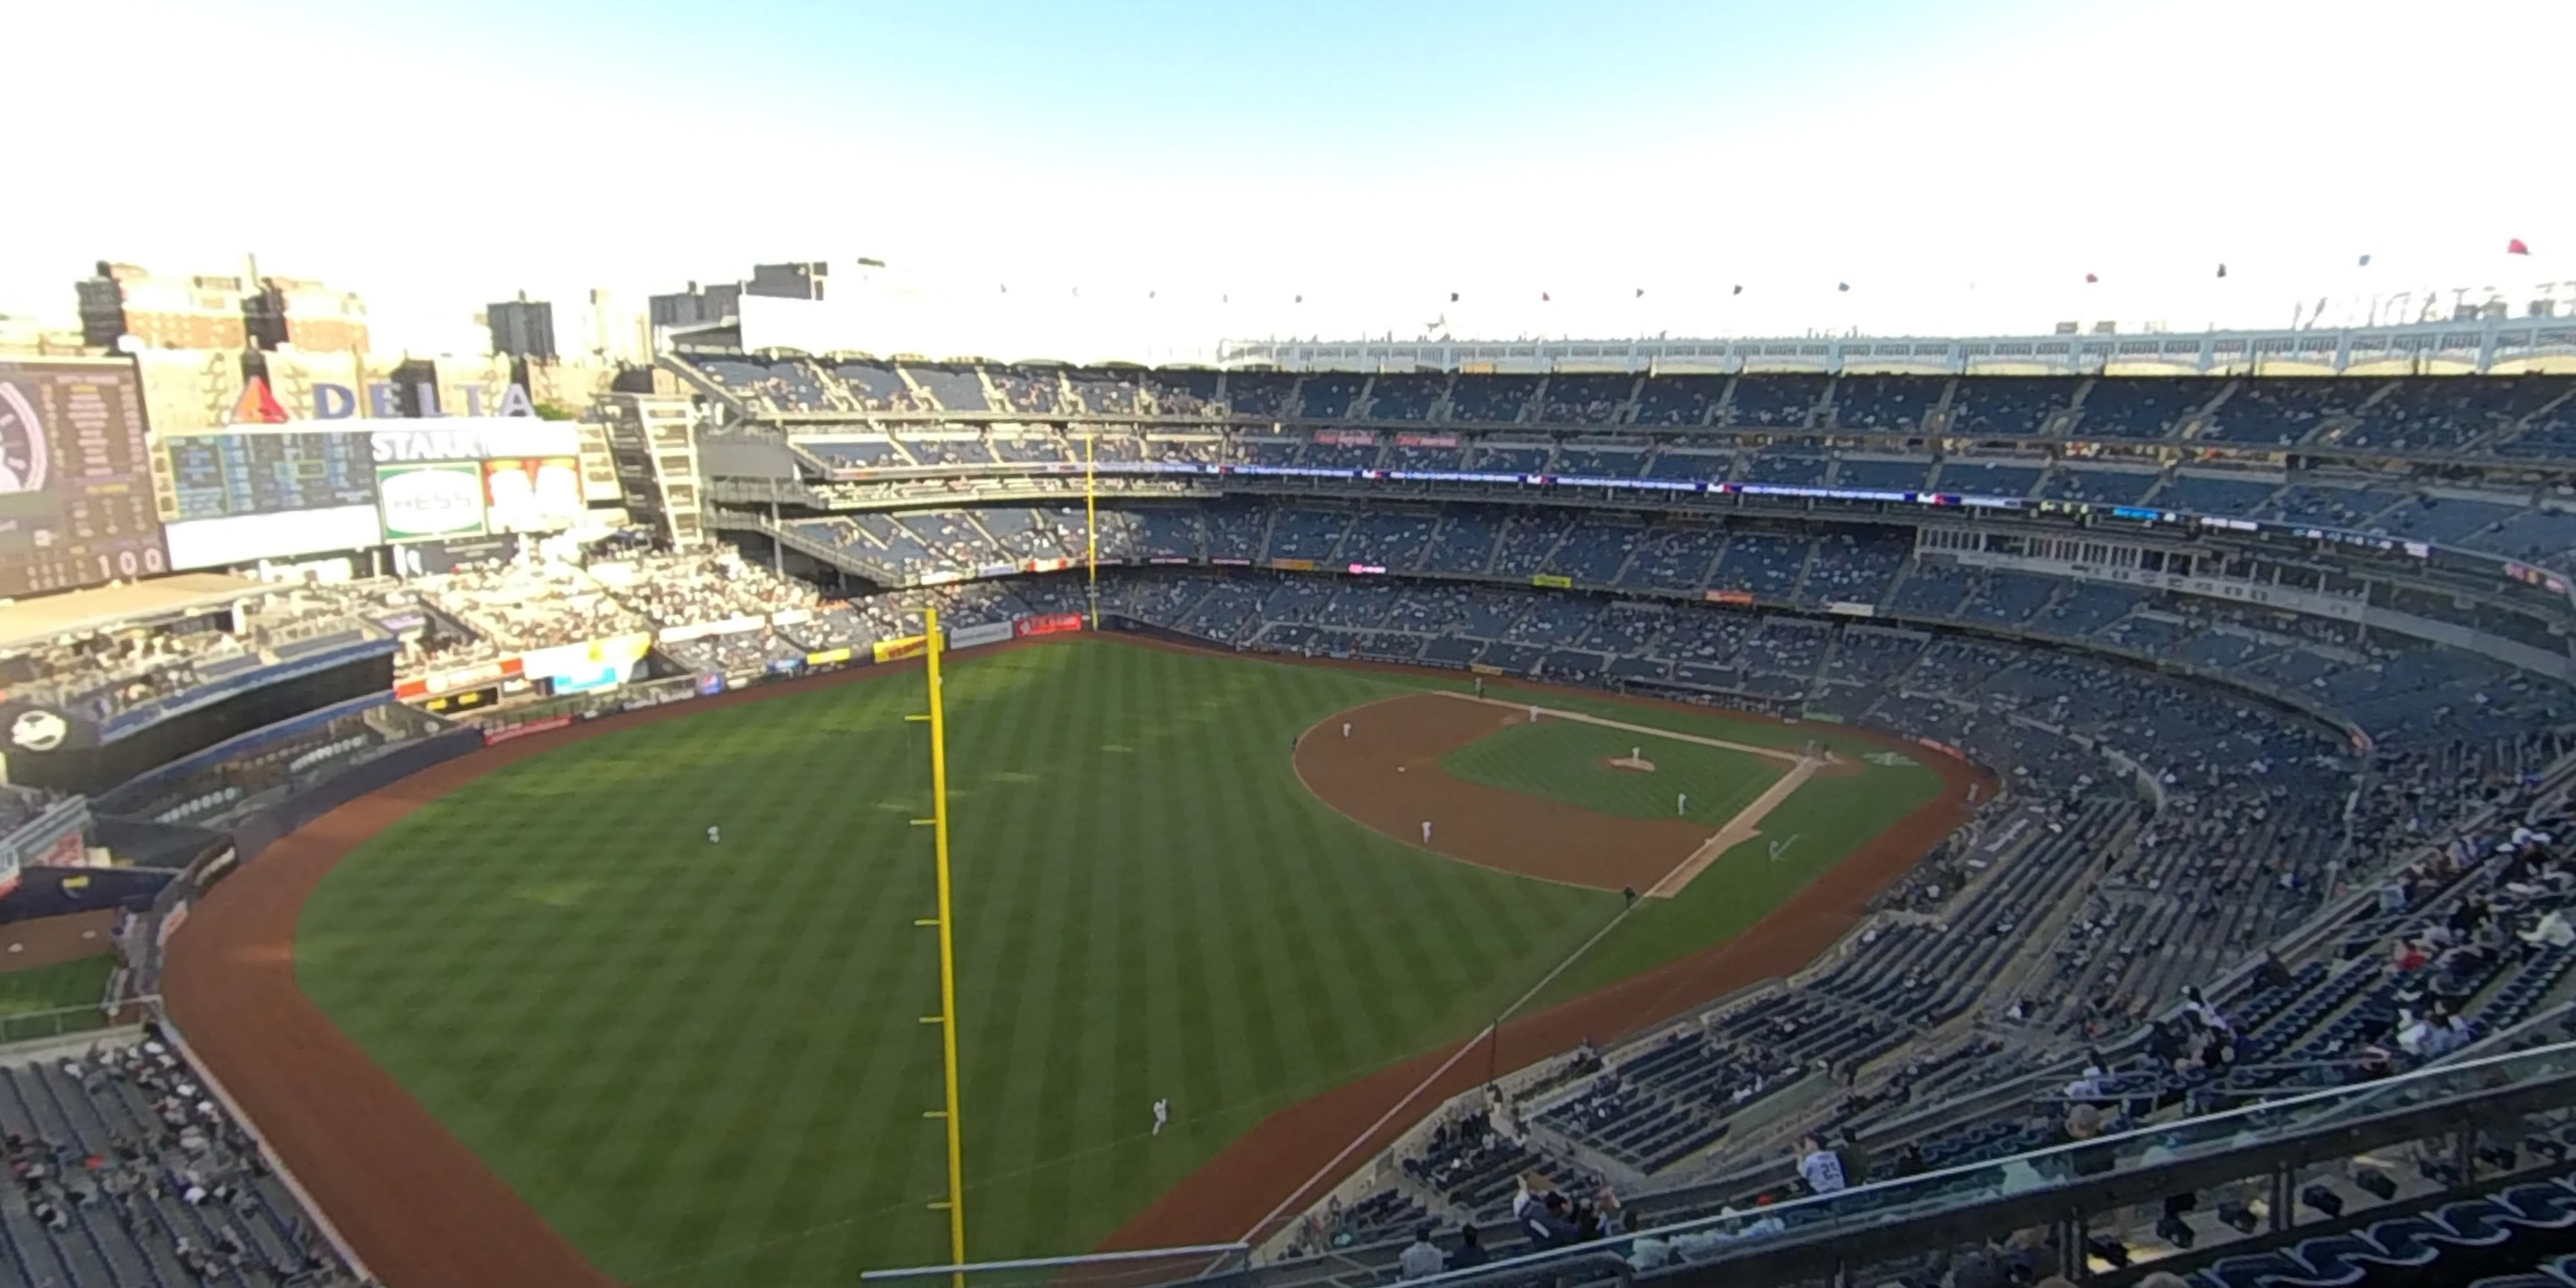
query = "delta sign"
{"x": 257, "y": 406}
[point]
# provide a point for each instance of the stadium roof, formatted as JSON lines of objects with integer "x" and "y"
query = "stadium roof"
{"x": 33, "y": 621}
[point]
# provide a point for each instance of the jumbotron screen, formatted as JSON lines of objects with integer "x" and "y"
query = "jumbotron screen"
{"x": 76, "y": 504}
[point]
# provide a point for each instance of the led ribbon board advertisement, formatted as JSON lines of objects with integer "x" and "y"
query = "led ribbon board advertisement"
{"x": 425, "y": 502}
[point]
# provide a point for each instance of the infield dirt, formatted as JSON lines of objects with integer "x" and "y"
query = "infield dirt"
{"x": 1524, "y": 835}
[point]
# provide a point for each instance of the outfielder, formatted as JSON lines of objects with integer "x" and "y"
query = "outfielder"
{"x": 1162, "y": 1114}
{"x": 713, "y": 835}
{"x": 1681, "y": 803}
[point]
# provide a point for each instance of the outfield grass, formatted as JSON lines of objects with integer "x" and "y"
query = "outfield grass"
{"x": 1561, "y": 760}
{"x": 704, "y": 1064}
{"x": 25, "y": 996}
{"x": 678, "y": 1050}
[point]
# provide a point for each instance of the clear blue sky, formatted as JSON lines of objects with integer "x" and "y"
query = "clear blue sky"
{"x": 1962, "y": 162}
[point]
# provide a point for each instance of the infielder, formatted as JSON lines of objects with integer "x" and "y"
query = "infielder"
{"x": 1346, "y": 729}
{"x": 1533, "y": 713}
{"x": 1426, "y": 831}
{"x": 713, "y": 835}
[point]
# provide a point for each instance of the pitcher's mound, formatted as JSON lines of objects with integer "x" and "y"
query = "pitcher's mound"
{"x": 1633, "y": 764}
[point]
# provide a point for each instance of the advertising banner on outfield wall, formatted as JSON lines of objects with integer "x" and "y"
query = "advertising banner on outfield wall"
{"x": 981, "y": 633}
{"x": 1739, "y": 598}
{"x": 1552, "y": 581}
{"x": 1293, "y": 565}
{"x": 828, "y": 657}
{"x": 891, "y": 650}
{"x": 1047, "y": 624}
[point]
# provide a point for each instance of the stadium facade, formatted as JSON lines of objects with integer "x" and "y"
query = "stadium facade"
{"x": 2253, "y": 626}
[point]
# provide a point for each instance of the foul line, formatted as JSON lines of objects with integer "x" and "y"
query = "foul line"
{"x": 1745, "y": 826}
{"x": 1767, "y": 753}
{"x": 1489, "y": 1031}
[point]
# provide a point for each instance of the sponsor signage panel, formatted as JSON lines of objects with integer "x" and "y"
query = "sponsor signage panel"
{"x": 532, "y": 494}
{"x": 474, "y": 438}
{"x": 896, "y": 649}
{"x": 981, "y": 633}
{"x": 1739, "y": 598}
{"x": 1047, "y": 624}
{"x": 619, "y": 651}
{"x": 1552, "y": 581}
{"x": 459, "y": 679}
{"x": 828, "y": 657}
{"x": 430, "y": 502}
{"x": 249, "y": 538}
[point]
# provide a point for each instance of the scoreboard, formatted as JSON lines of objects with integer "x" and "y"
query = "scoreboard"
{"x": 76, "y": 505}
{"x": 222, "y": 476}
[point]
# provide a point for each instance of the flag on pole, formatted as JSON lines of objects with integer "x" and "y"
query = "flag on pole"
{"x": 1542, "y": 297}
{"x": 2514, "y": 246}
{"x": 1453, "y": 297}
{"x": 1842, "y": 286}
{"x": 1739, "y": 290}
{"x": 2090, "y": 279}
{"x": 2222, "y": 270}
{"x": 2365, "y": 261}
{"x": 1641, "y": 294}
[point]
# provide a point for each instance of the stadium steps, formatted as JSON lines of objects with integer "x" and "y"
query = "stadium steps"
{"x": 2191, "y": 423}
{"x": 1936, "y": 418}
{"x": 992, "y": 393}
{"x": 1798, "y": 584}
{"x": 1361, "y": 400}
{"x": 1626, "y": 412}
{"x": 1440, "y": 404}
{"x": 1269, "y": 524}
{"x": 2514, "y": 433}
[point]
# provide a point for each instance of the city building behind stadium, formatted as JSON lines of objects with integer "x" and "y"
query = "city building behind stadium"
{"x": 2076, "y": 807}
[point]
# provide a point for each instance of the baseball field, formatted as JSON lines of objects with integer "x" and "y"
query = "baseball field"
{"x": 1179, "y": 876}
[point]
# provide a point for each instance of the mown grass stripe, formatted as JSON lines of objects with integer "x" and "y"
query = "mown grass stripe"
{"x": 704, "y": 1064}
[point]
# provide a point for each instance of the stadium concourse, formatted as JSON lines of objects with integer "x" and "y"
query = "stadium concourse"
{"x": 2272, "y": 674}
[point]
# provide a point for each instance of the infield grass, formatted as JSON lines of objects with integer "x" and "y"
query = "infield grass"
{"x": 1562, "y": 760}
{"x": 705, "y": 1064}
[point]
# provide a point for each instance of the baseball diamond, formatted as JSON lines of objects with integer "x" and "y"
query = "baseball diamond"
{"x": 472, "y": 937}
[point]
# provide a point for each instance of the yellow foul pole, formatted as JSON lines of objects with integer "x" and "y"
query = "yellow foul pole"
{"x": 1090, "y": 528}
{"x": 932, "y": 644}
